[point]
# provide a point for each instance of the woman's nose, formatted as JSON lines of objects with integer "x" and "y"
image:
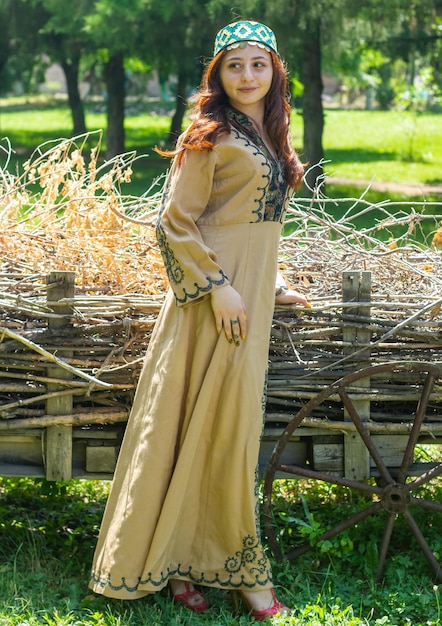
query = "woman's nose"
{"x": 247, "y": 73}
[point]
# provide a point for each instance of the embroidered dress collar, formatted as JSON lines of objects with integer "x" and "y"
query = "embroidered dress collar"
{"x": 277, "y": 193}
{"x": 244, "y": 123}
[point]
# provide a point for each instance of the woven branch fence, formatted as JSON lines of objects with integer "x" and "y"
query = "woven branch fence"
{"x": 81, "y": 284}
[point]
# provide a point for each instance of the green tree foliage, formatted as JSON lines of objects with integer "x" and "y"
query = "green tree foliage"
{"x": 379, "y": 47}
{"x": 171, "y": 35}
{"x": 116, "y": 29}
{"x": 390, "y": 45}
{"x": 21, "y": 50}
{"x": 4, "y": 36}
{"x": 63, "y": 39}
{"x": 180, "y": 40}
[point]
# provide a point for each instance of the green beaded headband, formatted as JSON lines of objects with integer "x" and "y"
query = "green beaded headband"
{"x": 239, "y": 34}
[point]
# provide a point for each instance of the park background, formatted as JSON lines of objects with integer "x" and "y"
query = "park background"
{"x": 366, "y": 95}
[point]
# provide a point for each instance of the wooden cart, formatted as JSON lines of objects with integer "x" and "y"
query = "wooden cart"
{"x": 364, "y": 415}
{"x": 354, "y": 389}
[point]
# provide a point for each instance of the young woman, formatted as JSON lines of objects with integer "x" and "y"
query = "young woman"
{"x": 183, "y": 504}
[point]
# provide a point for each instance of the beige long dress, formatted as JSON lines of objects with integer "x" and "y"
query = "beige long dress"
{"x": 183, "y": 502}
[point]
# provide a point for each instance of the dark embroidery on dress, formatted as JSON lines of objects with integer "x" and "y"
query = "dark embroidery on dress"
{"x": 251, "y": 553}
{"x": 259, "y": 211}
{"x": 276, "y": 195}
{"x": 275, "y": 191}
{"x": 174, "y": 270}
{"x": 251, "y": 557}
{"x": 257, "y": 504}
{"x": 211, "y": 282}
{"x": 257, "y": 468}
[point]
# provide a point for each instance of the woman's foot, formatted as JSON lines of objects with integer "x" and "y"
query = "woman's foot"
{"x": 185, "y": 593}
{"x": 263, "y": 604}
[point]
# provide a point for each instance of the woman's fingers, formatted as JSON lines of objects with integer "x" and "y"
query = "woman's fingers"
{"x": 242, "y": 321}
{"x": 236, "y": 331}
{"x": 229, "y": 311}
{"x": 292, "y": 297}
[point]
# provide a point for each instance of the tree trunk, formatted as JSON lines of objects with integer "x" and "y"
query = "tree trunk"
{"x": 180, "y": 109}
{"x": 116, "y": 91}
{"x": 70, "y": 69}
{"x": 313, "y": 114}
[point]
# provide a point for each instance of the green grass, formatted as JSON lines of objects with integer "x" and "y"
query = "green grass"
{"x": 392, "y": 146}
{"x": 386, "y": 146}
{"x": 49, "y": 532}
{"x": 29, "y": 126}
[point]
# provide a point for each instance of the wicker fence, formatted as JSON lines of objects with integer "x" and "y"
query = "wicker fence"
{"x": 69, "y": 364}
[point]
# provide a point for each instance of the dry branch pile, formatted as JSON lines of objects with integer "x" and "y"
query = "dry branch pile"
{"x": 67, "y": 213}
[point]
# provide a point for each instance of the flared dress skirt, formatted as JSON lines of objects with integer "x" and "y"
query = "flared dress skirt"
{"x": 183, "y": 502}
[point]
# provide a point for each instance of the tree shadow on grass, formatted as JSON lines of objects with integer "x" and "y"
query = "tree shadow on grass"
{"x": 352, "y": 155}
{"x": 25, "y": 142}
{"x": 61, "y": 516}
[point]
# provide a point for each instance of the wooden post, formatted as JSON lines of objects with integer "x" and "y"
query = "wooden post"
{"x": 58, "y": 439}
{"x": 356, "y": 287}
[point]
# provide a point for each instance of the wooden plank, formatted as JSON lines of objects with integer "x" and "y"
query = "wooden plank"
{"x": 101, "y": 459}
{"x": 391, "y": 448}
{"x": 295, "y": 451}
{"x": 104, "y": 434}
{"x": 21, "y": 470}
{"x": 22, "y": 450}
{"x": 328, "y": 454}
{"x": 58, "y": 439}
{"x": 356, "y": 287}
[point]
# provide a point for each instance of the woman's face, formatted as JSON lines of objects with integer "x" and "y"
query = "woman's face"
{"x": 246, "y": 76}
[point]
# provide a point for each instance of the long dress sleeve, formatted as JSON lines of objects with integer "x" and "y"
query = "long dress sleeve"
{"x": 191, "y": 265}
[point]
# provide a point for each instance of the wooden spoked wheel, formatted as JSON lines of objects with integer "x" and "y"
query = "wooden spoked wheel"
{"x": 392, "y": 493}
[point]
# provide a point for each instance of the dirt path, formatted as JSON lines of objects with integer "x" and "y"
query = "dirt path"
{"x": 407, "y": 189}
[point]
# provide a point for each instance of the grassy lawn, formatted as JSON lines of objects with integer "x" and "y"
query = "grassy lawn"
{"x": 399, "y": 147}
{"x": 27, "y": 128}
{"x": 48, "y": 536}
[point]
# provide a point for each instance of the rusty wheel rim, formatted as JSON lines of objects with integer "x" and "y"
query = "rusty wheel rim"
{"x": 398, "y": 494}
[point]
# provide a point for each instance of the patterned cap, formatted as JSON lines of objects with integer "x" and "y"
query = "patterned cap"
{"x": 238, "y": 32}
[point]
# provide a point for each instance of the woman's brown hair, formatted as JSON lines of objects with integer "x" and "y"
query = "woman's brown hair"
{"x": 210, "y": 120}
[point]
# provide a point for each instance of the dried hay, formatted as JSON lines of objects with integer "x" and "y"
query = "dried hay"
{"x": 67, "y": 212}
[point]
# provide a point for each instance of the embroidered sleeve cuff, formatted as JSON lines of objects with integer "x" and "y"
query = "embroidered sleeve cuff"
{"x": 279, "y": 289}
{"x": 185, "y": 295}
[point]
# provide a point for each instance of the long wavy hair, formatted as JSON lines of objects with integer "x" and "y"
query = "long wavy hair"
{"x": 210, "y": 119}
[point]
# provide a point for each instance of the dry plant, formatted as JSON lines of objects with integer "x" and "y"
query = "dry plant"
{"x": 401, "y": 247}
{"x": 66, "y": 211}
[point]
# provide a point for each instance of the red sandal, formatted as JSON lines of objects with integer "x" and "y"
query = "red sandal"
{"x": 189, "y": 594}
{"x": 276, "y": 608}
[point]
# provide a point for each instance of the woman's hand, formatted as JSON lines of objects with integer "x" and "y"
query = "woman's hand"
{"x": 230, "y": 313}
{"x": 290, "y": 296}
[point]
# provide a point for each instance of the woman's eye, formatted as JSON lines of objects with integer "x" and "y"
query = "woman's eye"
{"x": 236, "y": 65}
